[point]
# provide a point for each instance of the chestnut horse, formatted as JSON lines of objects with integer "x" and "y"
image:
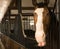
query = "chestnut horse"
{"x": 46, "y": 26}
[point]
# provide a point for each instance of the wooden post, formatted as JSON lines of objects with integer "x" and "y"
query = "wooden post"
{"x": 59, "y": 22}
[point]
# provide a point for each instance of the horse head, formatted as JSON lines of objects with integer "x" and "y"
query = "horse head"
{"x": 42, "y": 21}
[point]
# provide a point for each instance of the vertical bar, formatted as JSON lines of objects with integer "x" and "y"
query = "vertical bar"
{"x": 59, "y": 22}
{"x": 18, "y": 25}
{"x": 9, "y": 33}
{"x": 19, "y": 6}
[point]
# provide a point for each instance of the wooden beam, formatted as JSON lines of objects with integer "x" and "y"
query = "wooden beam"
{"x": 23, "y": 8}
{"x": 27, "y": 14}
{"x": 27, "y": 8}
{"x": 23, "y": 14}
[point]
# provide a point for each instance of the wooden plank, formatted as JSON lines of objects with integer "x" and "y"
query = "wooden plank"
{"x": 27, "y": 14}
{"x": 25, "y": 8}
{"x": 23, "y": 14}
{"x": 28, "y": 8}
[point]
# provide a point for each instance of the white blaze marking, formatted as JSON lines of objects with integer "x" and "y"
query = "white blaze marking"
{"x": 39, "y": 25}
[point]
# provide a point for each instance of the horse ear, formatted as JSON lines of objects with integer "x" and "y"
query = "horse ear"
{"x": 34, "y": 2}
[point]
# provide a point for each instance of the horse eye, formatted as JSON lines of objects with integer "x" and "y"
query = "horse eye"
{"x": 34, "y": 13}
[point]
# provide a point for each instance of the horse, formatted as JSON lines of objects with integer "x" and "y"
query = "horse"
{"x": 46, "y": 26}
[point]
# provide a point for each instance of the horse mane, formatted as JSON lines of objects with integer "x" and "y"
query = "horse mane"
{"x": 53, "y": 20}
{"x": 53, "y": 27}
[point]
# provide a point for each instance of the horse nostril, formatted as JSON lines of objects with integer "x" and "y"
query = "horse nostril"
{"x": 41, "y": 44}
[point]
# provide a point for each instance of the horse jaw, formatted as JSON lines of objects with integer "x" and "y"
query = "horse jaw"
{"x": 39, "y": 34}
